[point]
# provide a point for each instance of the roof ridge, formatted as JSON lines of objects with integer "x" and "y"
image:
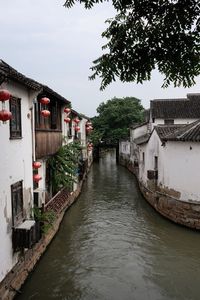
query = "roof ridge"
{"x": 194, "y": 124}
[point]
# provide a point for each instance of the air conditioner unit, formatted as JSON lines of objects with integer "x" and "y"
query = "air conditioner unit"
{"x": 152, "y": 174}
{"x": 26, "y": 234}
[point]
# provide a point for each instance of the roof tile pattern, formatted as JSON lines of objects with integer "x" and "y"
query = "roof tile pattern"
{"x": 188, "y": 133}
{"x": 176, "y": 108}
{"x": 165, "y": 130}
{"x": 7, "y": 72}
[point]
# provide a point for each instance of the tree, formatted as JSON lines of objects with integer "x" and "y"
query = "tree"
{"x": 149, "y": 34}
{"x": 115, "y": 117}
{"x": 63, "y": 166}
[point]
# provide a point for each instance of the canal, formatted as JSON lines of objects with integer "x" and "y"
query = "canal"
{"x": 113, "y": 246}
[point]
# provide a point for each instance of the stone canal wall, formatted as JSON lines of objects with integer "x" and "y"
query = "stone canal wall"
{"x": 12, "y": 283}
{"x": 185, "y": 213}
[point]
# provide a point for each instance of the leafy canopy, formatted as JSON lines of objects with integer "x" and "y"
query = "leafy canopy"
{"x": 114, "y": 119}
{"x": 149, "y": 34}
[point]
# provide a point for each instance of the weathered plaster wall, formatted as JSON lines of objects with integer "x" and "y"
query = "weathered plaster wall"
{"x": 16, "y": 165}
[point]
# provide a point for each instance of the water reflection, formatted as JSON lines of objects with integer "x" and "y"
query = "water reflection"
{"x": 113, "y": 246}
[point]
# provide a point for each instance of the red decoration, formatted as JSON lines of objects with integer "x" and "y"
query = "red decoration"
{"x": 5, "y": 115}
{"x": 36, "y": 165}
{"x": 36, "y": 178}
{"x": 67, "y": 120}
{"x": 45, "y": 113}
{"x": 4, "y": 95}
{"x": 88, "y": 123}
{"x": 76, "y": 120}
{"x": 76, "y": 128}
{"x": 44, "y": 100}
{"x": 67, "y": 110}
{"x": 89, "y": 129}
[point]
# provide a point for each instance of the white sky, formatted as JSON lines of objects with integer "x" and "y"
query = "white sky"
{"x": 56, "y": 46}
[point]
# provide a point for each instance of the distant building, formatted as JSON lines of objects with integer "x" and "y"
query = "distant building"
{"x": 164, "y": 155}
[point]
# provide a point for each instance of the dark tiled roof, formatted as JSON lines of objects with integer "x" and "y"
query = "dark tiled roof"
{"x": 165, "y": 130}
{"x": 142, "y": 139}
{"x": 7, "y": 72}
{"x": 46, "y": 89}
{"x": 134, "y": 126}
{"x": 187, "y": 133}
{"x": 176, "y": 108}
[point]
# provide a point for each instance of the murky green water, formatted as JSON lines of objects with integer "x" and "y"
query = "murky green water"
{"x": 113, "y": 246}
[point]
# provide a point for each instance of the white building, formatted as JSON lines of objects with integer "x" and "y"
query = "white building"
{"x": 27, "y": 138}
{"x": 16, "y": 176}
{"x": 167, "y": 152}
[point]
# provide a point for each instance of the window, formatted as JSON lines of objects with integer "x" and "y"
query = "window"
{"x": 169, "y": 121}
{"x": 17, "y": 202}
{"x": 143, "y": 157}
{"x": 70, "y": 129}
{"x": 155, "y": 162}
{"x": 15, "y": 122}
{"x": 53, "y": 122}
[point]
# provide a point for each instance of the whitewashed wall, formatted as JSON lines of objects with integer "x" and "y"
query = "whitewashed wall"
{"x": 181, "y": 169}
{"x": 151, "y": 149}
{"x": 15, "y": 165}
{"x": 139, "y": 131}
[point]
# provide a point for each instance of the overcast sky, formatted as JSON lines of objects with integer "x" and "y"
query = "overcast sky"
{"x": 56, "y": 46}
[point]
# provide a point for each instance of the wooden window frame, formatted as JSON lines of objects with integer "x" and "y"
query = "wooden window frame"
{"x": 16, "y": 121}
{"x": 51, "y": 123}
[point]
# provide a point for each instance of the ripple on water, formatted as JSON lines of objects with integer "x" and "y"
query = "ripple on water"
{"x": 113, "y": 246}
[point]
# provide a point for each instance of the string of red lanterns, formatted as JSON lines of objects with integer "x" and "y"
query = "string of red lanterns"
{"x": 67, "y": 110}
{"x": 89, "y": 127}
{"x": 45, "y": 112}
{"x": 36, "y": 176}
{"x": 5, "y": 115}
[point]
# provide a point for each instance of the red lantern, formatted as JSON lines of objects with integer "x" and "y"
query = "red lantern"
{"x": 36, "y": 165}
{"x": 4, "y": 95}
{"x": 89, "y": 129}
{"x": 44, "y": 100}
{"x": 90, "y": 145}
{"x": 67, "y": 110}
{"x": 67, "y": 120}
{"x": 76, "y": 120}
{"x": 88, "y": 123}
{"x": 45, "y": 113}
{"x": 36, "y": 178}
{"x": 5, "y": 115}
{"x": 76, "y": 128}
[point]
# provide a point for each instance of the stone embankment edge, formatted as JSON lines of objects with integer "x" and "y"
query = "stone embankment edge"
{"x": 185, "y": 213}
{"x": 11, "y": 284}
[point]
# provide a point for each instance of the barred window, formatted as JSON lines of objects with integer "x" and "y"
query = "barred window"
{"x": 15, "y": 122}
{"x": 17, "y": 202}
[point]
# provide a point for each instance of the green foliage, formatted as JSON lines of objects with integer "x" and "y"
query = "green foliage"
{"x": 149, "y": 34}
{"x": 46, "y": 218}
{"x": 63, "y": 166}
{"x": 115, "y": 117}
